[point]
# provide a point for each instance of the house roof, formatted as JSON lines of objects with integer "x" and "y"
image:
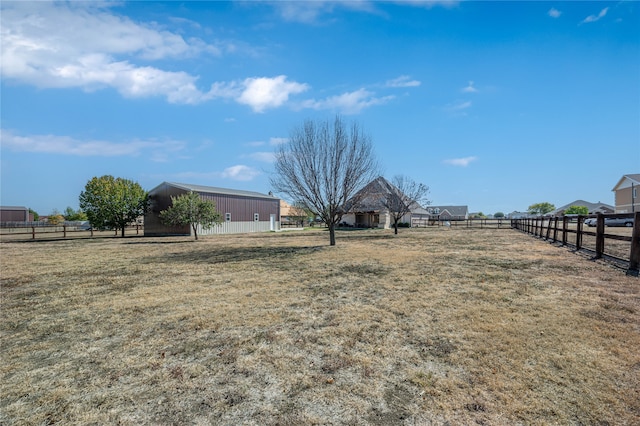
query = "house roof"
{"x": 627, "y": 180}
{"x": 216, "y": 190}
{"x": 372, "y": 197}
{"x": 453, "y": 210}
{"x": 593, "y": 207}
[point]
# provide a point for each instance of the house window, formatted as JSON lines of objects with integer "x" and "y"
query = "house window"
{"x": 227, "y": 217}
{"x": 256, "y": 217}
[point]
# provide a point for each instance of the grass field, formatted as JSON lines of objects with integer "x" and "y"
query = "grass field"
{"x": 432, "y": 326}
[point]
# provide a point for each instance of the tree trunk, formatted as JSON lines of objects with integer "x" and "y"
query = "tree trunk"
{"x": 395, "y": 227}
{"x": 195, "y": 231}
{"x": 123, "y": 231}
{"x": 332, "y": 234}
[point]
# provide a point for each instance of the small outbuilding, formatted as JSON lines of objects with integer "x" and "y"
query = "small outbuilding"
{"x": 241, "y": 211}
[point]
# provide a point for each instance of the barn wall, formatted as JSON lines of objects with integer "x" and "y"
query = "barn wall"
{"x": 239, "y": 228}
{"x": 242, "y": 209}
{"x": 17, "y": 214}
{"x": 159, "y": 200}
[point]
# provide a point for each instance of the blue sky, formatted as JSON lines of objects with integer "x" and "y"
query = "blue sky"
{"x": 494, "y": 105}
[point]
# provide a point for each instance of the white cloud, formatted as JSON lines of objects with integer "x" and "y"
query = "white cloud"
{"x": 429, "y": 3}
{"x": 266, "y": 157}
{"x": 262, "y": 93}
{"x": 82, "y": 44}
{"x": 554, "y": 13}
{"x": 348, "y": 103}
{"x": 459, "y": 106}
{"x": 402, "y": 81}
{"x": 470, "y": 88}
{"x": 240, "y": 173}
{"x": 272, "y": 142}
{"x": 65, "y": 145}
{"x": 309, "y": 12}
{"x": 594, "y": 18}
{"x": 460, "y": 162}
{"x": 277, "y": 141}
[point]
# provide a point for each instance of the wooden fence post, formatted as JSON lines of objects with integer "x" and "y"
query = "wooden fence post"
{"x": 64, "y": 231}
{"x": 565, "y": 221}
{"x": 599, "y": 235}
{"x": 555, "y": 229}
{"x": 634, "y": 255}
{"x": 579, "y": 233}
{"x": 33, "y": 232}
{"x": 548, "y": 234}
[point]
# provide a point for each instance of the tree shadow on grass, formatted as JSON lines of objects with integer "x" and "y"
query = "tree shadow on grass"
{"x": 172, "y": 242}
{"x": 234, "y": 254}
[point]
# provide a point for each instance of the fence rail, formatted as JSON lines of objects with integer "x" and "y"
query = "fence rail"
{"x": 483, "y": 223}
{"x": 620, "y": 244}
{"x": 38, "y": 230}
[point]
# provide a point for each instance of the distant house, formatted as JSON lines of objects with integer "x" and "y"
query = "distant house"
{"x": 627, "y": 195}
{"x": 15, "y": 214}
{"x": 241, "y": 211}
{"x": 448, "y": 212}
{"x": 291, "y": 215}
{"x": 367, "y": 207}
{"x": 593, "y": 208}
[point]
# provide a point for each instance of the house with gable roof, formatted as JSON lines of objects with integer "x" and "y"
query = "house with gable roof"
{"x": 627, "y": 194}
{"x": 592, "y": 207}
{"x": 366, "y": 209}
{"x": 448, "y": 213}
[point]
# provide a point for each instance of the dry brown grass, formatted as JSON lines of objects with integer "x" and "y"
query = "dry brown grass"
{"x": 432, "y": 326}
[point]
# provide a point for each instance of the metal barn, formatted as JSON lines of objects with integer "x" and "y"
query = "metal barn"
{"x": 241, "y": 211}
{"x": 14, "y": 214}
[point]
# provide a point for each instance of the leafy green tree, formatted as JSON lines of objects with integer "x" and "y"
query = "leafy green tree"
{"x": 55, "y": 218}
{"x": 113, "y": 202}
{"x": 36, "y": 216}
{"x": 498, "y": 215}
{"x": 73, "y": 215}
{"x": 191, "y": 209}
{"x": 541, "y": 208}
{"x": 577, "y": 210}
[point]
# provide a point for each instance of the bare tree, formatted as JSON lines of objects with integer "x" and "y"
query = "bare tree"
{"x": 323, "y": 165}
{"x": 404, "y": 196}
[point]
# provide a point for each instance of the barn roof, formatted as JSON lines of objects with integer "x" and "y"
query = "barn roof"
{"x": 217, "y": 190}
